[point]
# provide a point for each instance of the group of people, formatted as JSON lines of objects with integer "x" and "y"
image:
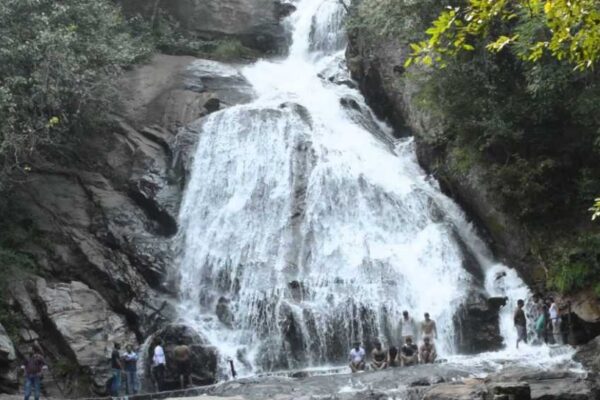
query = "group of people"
{"x": 408, "y": 354}
{"x": 127, "y": 363}
{"x": 547, "y": 318}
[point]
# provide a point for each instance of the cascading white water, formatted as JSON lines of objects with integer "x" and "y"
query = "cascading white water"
{"x": 304, "y": 230}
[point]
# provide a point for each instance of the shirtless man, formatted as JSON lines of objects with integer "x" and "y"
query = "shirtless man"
{"x": 409, "y": 353}
{"x": 428, "y": 328}
{"x": 182, "y": 355}
{"x": 378, "y": 357}
{"x": 357, "y": 358}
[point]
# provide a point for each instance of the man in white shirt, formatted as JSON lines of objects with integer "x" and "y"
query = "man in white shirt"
{"x": 407, "y": 327}
{"x": 357, "y": 358}
{"x": 159, "y": 364}
{"x": 555, "y": 319}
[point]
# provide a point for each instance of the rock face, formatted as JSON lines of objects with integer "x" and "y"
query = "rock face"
{"x": 104, "y": 215}
{"x": 81, "y": 318}
{"x": 7, "y": 359}
{"x": 203, "y": 360}
{"x": 256, "y": 23}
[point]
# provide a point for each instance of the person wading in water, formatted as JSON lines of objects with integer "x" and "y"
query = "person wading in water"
{"x": 520, "y": 322}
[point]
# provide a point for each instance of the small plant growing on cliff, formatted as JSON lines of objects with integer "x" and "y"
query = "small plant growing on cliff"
{"x": 59, "y": 61}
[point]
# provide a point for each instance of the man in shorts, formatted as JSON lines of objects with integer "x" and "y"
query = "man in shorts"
{"x": 183, "y": 363}
{"x": 357, "y": 358}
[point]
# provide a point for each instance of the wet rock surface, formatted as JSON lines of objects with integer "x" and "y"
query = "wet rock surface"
{"x": 432, "y": 382}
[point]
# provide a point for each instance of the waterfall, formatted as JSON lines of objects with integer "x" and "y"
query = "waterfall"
{"x": 305, "y": 226}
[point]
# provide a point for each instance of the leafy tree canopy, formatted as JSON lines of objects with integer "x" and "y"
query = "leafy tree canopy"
{"x": 565, "y": 29}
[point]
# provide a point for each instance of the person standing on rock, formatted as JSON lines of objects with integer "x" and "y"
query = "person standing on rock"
{"x": 407, "y": 326}
{"x": 159, "y": 365}
{"x": 34, "y": 368}
{"x": 409, "y": 353}
{"x": 555, "y": 321}
{"x": 131, "y": 358}
{"x": 357, "y": 358}
{"x": 428, "y": 328}
{"x": 378, "y": 357}
{"x": 520, "y": 322}
{"x": 427, "y": 352}
{"x": 117, "y": 368}
{"x": 183, "y": 361}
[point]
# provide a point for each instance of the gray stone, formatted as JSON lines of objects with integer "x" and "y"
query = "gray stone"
{"x": 85, "y": 323}
{"x": 256, "y": 23}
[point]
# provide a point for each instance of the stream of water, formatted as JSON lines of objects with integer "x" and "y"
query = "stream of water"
{"x": 307, "y": 226}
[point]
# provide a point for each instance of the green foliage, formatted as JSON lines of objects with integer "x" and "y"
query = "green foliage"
{"x": 59, "y": 60}
{"x": 565, "y": 29}
{"x": 596, "y": 209}
{"x": 577, "y": 266}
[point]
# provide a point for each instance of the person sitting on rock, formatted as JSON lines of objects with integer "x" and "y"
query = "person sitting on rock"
{"x": 357, "y": 358}
{"x": 159, "y": 364}
{"x": 130, "y": 359}
{"x": 378, "y": 357}
{"x": 392, "y": 357}
{"x": 428, "y": 328}
{"x": 183, "y": 362}
{"x": 408, "y": 353}
{"x": 520, "y": 322}
{"x": 427, "y": 352}
{"x": 34, "y": 368}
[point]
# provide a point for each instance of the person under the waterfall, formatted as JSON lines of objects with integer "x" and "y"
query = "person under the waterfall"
{"x": 555, "y": 320}
{"x": 378, "y": 357}
{"x": 130, "y": 359}
{"x": 427, "y": 352}
{"x": 540, "y": 325}
{"x": 428, "y": 328}
{"x": 357, "y": 358}
{"x": 182, "y": 355}
{"x": 34, "y": 369}
{"x": 159, "y": 364}
{"x": 409, "y": 353}
{"x": 117, "y": 369}
{"x": 520, "y": 322}
{"x": 407, "y": 326}
{"x": 392, "y": 357}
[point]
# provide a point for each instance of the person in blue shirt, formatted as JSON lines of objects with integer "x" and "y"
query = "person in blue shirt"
{"x": 130, "y": 358}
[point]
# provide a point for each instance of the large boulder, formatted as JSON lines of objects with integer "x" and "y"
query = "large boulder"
{"x": 203, "y": 361}
{"x": 477, "y": 324}
{"x": 83, "y": 322}
{"x": 256, "y": 23}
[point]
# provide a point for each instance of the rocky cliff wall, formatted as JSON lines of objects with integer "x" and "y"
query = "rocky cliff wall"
{"x": 104, "y": 215}
{"x": 256, "y": 23}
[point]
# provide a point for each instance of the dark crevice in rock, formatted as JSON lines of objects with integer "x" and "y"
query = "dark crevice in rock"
{"x": 167, "y": 225}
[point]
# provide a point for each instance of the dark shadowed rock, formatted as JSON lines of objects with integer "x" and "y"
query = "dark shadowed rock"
{"x": 204, "y": 357}
{"x": 477, "y": 325}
